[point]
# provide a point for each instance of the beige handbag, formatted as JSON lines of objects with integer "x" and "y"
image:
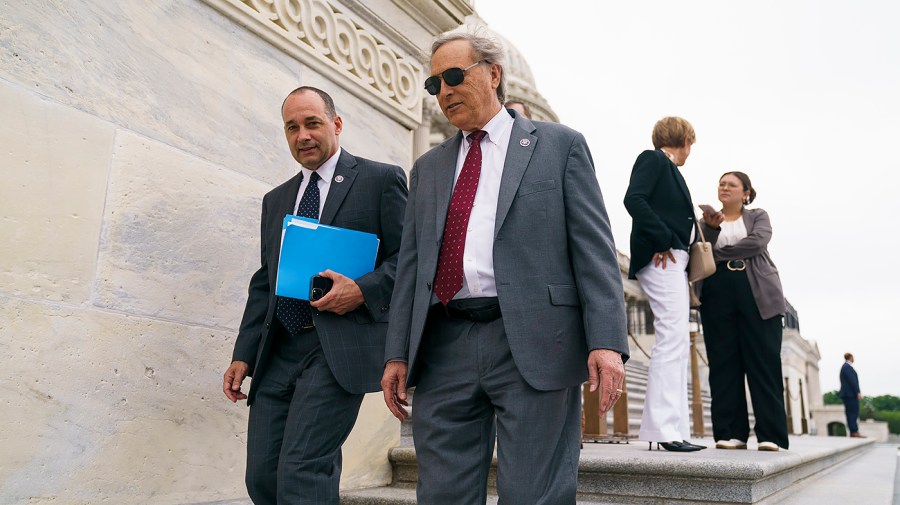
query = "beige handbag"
{"x": 701, "y": 264}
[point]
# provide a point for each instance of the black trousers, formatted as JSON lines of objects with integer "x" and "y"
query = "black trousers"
{"x": 739, "y": 344}
{"x": 851, "y": 408}
{"x": 300, "y": 418}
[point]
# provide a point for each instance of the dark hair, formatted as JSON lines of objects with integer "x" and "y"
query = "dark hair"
{"x": 329, "y": 103}
{"x": 847, "y": 356}
{"x": 745, "y": 180}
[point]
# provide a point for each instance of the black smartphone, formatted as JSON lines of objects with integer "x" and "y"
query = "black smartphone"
{"x": 318, "y": 287}
{"x": 707, "y": 209}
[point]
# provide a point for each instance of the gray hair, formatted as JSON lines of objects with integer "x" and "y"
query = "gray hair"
{"x": 486, "y": 49}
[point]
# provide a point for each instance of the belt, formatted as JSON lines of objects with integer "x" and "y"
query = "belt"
{"x": 479, "y": 310}
{"x": 736, "y": 265}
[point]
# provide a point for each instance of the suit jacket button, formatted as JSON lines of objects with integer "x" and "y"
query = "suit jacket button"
{"x": 428, "y": 285}
{"x": 384, "y": 308}
{"x": 267, "y": 326}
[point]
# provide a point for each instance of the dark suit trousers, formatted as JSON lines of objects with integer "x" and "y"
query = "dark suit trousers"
{"x": 298, "y": 422}
{"x": 468, "y": 380}
{"x": 851, "y": 408}
{"x": 740, "y": 343}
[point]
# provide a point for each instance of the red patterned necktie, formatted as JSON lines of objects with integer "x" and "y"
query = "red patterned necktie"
{"x": 449, "y": 277}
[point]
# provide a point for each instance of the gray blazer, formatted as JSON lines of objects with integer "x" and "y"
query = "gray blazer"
{"x": 555, "y": 264}
{"x": 753, "y": 249}
{"x": 370, "y": 197}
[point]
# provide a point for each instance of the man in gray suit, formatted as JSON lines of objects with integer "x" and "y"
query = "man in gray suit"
{"x": 312, "y": 362}
{"x": 508, "y": 294}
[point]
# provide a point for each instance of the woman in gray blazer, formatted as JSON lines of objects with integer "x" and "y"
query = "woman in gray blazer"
{"x": 741, "y": 311}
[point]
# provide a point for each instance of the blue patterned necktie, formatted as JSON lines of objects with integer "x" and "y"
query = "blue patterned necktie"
{"x": 294, "y": 314}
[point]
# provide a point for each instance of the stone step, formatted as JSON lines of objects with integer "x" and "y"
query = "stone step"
{"x": 629, "y": 473}
{"x": 403, "y": 495}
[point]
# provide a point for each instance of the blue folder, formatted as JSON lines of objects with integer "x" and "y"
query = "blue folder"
{"x": 308, "y": 248}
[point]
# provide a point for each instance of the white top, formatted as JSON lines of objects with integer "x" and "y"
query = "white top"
{"x": 478, "y": 256}
{"x": 732, "y": 232}
{"x": 325, "y": 171}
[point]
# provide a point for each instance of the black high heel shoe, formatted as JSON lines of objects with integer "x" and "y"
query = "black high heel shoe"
{"x": 699, "y": 447}
{"x": 677, "y": 446}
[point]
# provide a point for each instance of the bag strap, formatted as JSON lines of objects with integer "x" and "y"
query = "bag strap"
{"x": 700, "y": 230}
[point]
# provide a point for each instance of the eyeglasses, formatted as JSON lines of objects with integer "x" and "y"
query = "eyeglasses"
{"x": 452, "y": 76}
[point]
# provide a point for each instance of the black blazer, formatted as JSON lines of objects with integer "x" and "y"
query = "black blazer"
{"x": 371, "y": 197}
{"x": 849, "y": 382}
{"x": 661, "y": 209}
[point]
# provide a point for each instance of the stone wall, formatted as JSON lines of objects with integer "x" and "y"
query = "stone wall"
{"x": 136, "y": 142}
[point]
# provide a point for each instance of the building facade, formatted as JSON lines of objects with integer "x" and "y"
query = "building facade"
{"x": 137, "y": 141}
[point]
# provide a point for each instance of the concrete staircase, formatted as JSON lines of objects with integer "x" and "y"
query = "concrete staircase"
{"x": 815, "y": 471}
{"x": 629, "y": 473}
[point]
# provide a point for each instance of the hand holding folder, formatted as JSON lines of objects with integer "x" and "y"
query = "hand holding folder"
{"x": 308, "y": 248}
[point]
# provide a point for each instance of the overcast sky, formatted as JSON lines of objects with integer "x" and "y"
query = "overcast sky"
{"x": 800, "y": 95}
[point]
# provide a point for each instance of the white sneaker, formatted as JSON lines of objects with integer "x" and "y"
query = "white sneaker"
{"x": 768, "y": 446}
{"x": 731, "y": 444}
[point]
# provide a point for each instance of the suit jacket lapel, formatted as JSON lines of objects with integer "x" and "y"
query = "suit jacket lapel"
{"x": 287, "y": 200}
{"x": 283, "y": 206}
{"x": 345, "y": 172}
{"x": 444, "y": 174}
{"x": 682, "y": 185}
{"x": 518, "y": 154}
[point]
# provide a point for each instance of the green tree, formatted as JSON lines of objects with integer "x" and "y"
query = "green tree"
{"x": 886, "y": 402}
{"x": 891, "y": 417}
{"x": 832, "y": 398}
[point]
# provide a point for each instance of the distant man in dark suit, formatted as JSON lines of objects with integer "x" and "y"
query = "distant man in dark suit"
{"x": 508, "y": 294}
{"x": 312, "y": 362}
{"x": 850, "y": 394}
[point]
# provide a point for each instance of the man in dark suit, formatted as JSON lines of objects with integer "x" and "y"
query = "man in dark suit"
{"x": 312, "y": 362}
{"x": 508, "y": 294}
{"x": 850, "y": 394}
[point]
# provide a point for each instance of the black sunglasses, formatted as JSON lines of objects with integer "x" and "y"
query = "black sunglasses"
{"x": 452, "y": 76}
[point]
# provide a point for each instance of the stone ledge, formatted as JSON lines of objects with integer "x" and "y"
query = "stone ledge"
{"x": 613, "y": 472}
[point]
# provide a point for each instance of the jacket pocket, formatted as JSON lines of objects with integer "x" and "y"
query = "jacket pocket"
{"x": 564, "y": 294}
{"x": 764, "y": 267}
{"x": 536, "y": 187}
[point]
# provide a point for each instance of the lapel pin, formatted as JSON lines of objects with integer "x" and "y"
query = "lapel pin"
{"x": 339, "y": 179}
{"x": 524, "y": 142}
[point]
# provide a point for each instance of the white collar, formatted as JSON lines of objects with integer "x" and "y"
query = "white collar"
{"x": 498, "y": 124}
{"x": 325, "y": 170}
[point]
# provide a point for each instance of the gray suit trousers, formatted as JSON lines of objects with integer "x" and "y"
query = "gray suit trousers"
{"x": 300, "y": 418}
{"x": 468, "y": 380}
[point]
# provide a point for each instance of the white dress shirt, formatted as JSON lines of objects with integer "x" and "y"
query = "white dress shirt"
{"x": 326, "y": 172}
{"x": 478, "y": 256}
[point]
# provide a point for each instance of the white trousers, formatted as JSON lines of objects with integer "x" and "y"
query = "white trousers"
{"x": 665, "y": 417}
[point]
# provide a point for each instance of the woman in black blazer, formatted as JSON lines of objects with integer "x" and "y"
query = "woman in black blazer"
{"x": 662, "y": 231}
{"x": 741, "y": 311}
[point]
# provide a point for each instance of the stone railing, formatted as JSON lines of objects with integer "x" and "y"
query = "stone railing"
{"x": 333, "y": 43}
